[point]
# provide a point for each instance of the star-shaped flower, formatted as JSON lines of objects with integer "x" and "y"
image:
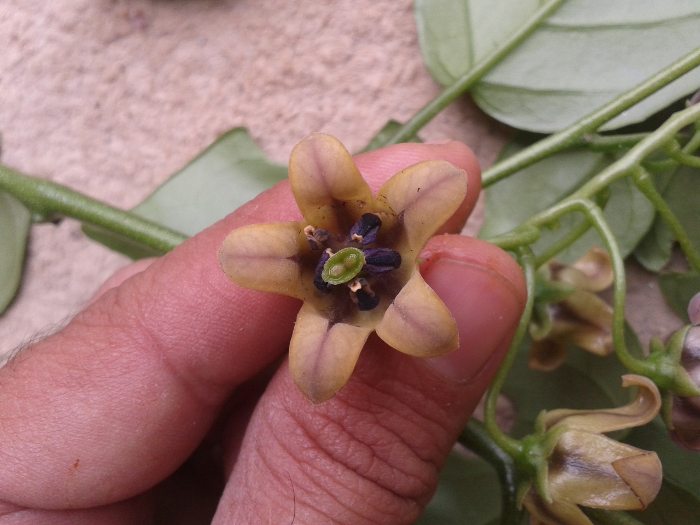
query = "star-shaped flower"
{"x": 353, "y": 260}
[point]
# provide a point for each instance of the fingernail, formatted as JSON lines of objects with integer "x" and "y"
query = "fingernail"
{"x": 438, "y": 142}
{"x": 485, "y": 306}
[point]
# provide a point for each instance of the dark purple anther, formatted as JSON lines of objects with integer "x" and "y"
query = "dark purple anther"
{"x": 366, "y": 301}
{"x": 319, "y": 283}
{"x": 380, "y": 260}
{"x": 366, "y": 229}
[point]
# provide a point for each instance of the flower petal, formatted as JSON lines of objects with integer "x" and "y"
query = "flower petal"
{"x": 263, "y": 257}
{"x": 546, "y": 355}
{"x": 418, "y": 323}
{"x": 322, "y": 355}
{"x": 596, "y": 272}
{"x": 327, "y": 186}
{"x": 423, "y": 197}
{"x": 596, "y": 471}
{"x": 639, "y": 412}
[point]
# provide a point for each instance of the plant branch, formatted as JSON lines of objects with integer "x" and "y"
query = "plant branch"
{"x": 589, "y": 124}
{"x": 511, "y": 446}
{"x": 49, "y": 199}
{"x": 477, "y": 439}
{"x": 462, "y": 84}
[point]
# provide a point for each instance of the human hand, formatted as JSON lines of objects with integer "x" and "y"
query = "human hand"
{"x": 170, "y": 358}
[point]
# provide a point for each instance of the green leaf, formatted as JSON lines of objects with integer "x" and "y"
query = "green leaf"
{"x": 679, "y": 189}
{"x": 468, "y": 492}
{"x": 586, "y": 54}
{"x": 387, "y": 132}
{"x": 229, "y": 173}
{"x": 678, "y": 289}
{"x": 515, "y": 199}
{"x": 15, "y": 220}
{"x": 584, "y": 381}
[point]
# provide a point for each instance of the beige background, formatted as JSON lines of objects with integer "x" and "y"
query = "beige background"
{"x": 111, "y": 96}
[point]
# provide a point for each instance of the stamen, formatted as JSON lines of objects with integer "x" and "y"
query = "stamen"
{"x": 362, "y": 295}
{"x": 366, "y": 229}
{"x": 380, "y": 260}
{"x": 319, "y": 283}
{"x": 316, "y": 238}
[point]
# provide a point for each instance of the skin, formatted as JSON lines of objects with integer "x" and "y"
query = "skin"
{"x": 172, "y": 361}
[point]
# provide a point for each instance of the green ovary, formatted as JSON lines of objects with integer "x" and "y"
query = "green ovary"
{"x": 343, "y": 266}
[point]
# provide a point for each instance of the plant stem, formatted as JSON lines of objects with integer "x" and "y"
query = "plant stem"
{"x": 589, "y": 124}
{"x": 646, "y": 186}
{"x": 477, "y": 439}
{"x": 48, "y": 199}
{"x": 511, "y": 446}
{"x": 516, "y": 238}
{"x": 597, "y": 142}
{"x": 563, "y": 243}
{"x": 461, "y": 85}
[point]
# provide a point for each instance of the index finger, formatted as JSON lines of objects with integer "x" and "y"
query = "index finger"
{"x": 113, "y": 403}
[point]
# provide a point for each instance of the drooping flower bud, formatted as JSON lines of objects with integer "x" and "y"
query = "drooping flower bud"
{"x": 567, "y": 310}
{"x": 584, "y": 467}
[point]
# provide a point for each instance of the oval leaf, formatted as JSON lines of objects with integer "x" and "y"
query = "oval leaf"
{"x": 15, "y": 220}
{"x": 515, "y": 199}
{"x": 586, "y": 54}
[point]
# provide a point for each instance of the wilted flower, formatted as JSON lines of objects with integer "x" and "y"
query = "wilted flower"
{"x": 567, "y": 310}
{"x": 685, "y": 410}
{"x": 586, "y": 468}
{"x": 352, "y": 260}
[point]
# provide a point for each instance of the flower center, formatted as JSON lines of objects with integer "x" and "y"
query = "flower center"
{"x": 346, "y": 265}
{"x": 343, "y": 266}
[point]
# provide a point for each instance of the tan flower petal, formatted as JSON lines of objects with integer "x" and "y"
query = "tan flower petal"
{"x": 322, "y": 355}
{"x": 263, "y": 257}
{"x": 639, "y": 412}
{"x": 327, "y": 186}
{"x": 596, "y": 268}
{"x": 418, "y": 323}
{"x": 590, "y": 308}
{"x": 423, "y": 197}
{"x": 555, "y": 513}
{"x": 596, "y": 471}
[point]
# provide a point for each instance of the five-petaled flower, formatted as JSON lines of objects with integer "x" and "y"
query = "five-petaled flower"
{"x": 352, "y": 261}
{"x": 567, "y": 310}
{"x": 584, "y": 467}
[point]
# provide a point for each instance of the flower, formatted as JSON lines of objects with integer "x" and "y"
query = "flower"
{"x": 568, "y": 311}
{"x": 685, "y": 410}
{"x": 352, "y": 261}
{"x": 584, "y": 467}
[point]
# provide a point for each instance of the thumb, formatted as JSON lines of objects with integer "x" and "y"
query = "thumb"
{"x": 372, "y": 454}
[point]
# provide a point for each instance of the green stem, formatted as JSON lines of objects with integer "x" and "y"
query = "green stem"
{"x": 477, "y": 439}
{"x": 48, "y": 199}
{"x": 646, "y": 186}
{"x": 511, "y": 446}
{"x": 589, "y": 124}
{"x": 612, "y": 143}
{"x": 462, "y": 84}
{"x": 611, "y": 517}
{"x": 563, "y": 243}
{"x": 516, "y": 238}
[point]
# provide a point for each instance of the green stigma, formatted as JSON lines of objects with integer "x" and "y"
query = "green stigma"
{"x": 343, "y": 266}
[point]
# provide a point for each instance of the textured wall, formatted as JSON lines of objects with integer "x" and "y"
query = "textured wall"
{"x": 112, "y": 96}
